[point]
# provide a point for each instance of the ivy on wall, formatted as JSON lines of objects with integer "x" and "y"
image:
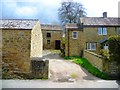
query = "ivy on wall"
{"x": 114, "y": 50}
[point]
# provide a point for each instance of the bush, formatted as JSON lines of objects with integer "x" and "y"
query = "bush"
{"x": 114, "y": 48}
{"x": 105, "y": 53}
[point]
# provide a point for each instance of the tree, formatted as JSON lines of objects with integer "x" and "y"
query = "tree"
{"x": 70, "y": 12}
{"x": 114, "y": 50}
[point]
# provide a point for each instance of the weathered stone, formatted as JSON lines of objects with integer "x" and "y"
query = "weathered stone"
{"x": 56, "y": 34}
{"x": 40, "y": 67}
{"x": 94, "y": 59}
{"x": 19, "y": 44}
{"x": 73, "y": 47}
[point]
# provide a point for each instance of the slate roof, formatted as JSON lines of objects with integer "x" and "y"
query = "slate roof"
{"x": 50, "y": 27}
{"x": 71, "y": 25}
{"x": 17, "y": 23}
{"x": 100, "y": 21}
{"x": 96, "y": 21}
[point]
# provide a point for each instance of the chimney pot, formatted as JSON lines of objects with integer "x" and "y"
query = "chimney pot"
{"x": 104, "y": 14}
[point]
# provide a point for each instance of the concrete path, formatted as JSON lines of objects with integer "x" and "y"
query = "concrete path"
{"x": 50, "y": 84}
{"x": 63, "y": 74}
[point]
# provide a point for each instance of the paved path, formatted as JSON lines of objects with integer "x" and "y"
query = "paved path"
{"x": 50, "y": 84}
{"x": 63, "y": 74}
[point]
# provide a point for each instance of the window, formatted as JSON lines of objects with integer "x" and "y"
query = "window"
{"x": 48, "y": 41}
{"x": 118, "y": 30}
{"x": 49, "y": 35}
{"x": 102, "y": 31}
{"x": 74, "y": 35}
{"x": 106, "y": 46}
{"x": 99, "y": 31}
{"x": 91, "y": 46}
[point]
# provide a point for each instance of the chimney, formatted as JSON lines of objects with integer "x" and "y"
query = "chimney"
{"x": 104, "y": 14}
{"x": 81, "y": 23}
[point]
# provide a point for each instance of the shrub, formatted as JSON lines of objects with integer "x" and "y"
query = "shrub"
{"x": 105, "y": 53}
{"x": 114, "y": 48}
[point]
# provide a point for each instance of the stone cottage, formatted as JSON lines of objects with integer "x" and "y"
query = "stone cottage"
{"x": 91, "y": 34}
{"x": 21, "y": 41}
{"x": 52, "y": 36}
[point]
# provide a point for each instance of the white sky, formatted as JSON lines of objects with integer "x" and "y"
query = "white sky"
{"x": 46, "y": 10}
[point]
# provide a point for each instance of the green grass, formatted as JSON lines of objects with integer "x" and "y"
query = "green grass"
{"x": 73, "y": 75}
{"x": 89, "y": 67}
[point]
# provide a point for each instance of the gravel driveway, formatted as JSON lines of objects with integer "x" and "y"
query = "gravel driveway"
{"x": 64, "y": 70}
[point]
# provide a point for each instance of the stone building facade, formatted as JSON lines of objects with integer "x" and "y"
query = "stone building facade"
{"x": 20, "y": 43}
{"x": 91, "y": 34}
{"x": 73, "y": 45}
{"x": 52, "y": 36}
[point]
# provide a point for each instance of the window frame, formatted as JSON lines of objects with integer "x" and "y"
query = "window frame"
{"x": 118, "y": 30}
{"x": 75, "y": 35}
{"x": 48, "y": 35}
{"x": 48, "y": 43}
{"x": 99, "y": 30}
{"x": 102, "y": 31}
{"x": 90, "y": 44}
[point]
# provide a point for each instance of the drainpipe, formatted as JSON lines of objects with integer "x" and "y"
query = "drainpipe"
{"x": 68, "y": 44}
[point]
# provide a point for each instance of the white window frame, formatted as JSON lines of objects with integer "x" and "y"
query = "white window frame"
{"x": 89, "y": 46}
{"x": 118, "y": 30}
{"x": 75, "y": 35}
{"x": 106, "y": 46}
{"x": 102, "y": 31}
{"x": 99, "y": 31}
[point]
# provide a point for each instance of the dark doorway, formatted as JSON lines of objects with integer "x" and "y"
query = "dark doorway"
{"x": 57, "y": 44}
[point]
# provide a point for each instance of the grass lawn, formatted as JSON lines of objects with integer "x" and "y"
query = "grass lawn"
{"x": 89, "y": 67}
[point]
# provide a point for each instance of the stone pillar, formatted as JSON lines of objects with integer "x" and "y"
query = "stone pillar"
{"x": 113, "y": 68}
{"x": 40, "y": 68}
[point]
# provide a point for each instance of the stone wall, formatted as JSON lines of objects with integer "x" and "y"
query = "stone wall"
{"x": 113, "y": 68}
{"x": 75, "y": 46}
{"x": 94, "y": 59}
{"x": 91, "y": 35}
{"x": 16, "y": 51}
{"x": 55, "y": 35}
{"x": 40, "y": 68}
{"x": 36, "y": 41}
{"x": 102, "y": 64}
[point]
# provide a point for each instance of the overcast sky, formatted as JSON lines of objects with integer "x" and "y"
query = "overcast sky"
{"x": 46, "y": 10}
